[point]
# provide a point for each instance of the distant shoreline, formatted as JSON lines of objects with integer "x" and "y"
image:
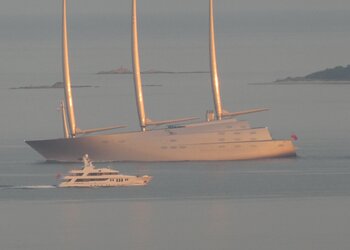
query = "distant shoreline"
{"x": 49, "y": 87}
{"x": 56, "y": 85}
{"x": 305, "y": 82}
{"x": 125, "y": 71}
{"x": 338, "y": 74}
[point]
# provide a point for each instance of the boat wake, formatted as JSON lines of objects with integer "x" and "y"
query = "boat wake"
{"x": 28, "y": 187}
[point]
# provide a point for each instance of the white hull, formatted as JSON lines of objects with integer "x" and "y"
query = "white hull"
{"x": 117, "y": 181}
{"x": 165, "y": 145}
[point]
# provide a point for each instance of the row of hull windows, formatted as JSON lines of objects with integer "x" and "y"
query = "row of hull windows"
{"x": 92, "y": 179}
{"x": 219, "y": 140}
{"x": 219, "y": 146}
{"x": 93, "y": 174}
{"x": 99, "y": 174}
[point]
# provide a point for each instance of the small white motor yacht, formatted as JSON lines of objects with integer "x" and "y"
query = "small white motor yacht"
{"x": 89, "y": 176}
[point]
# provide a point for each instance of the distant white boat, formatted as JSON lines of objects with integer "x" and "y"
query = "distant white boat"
{"x": 89, "y": 176}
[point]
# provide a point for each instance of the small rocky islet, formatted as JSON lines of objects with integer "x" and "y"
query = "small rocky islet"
{"x": 330, "y": 75}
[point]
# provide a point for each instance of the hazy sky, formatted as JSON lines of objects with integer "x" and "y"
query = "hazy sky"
{"x": 269, "y": 35}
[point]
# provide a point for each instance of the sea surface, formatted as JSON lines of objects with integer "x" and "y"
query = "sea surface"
{"x": 300, "y": 203}
{"x": 273, "y": 204}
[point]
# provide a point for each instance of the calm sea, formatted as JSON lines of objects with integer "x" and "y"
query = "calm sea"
{"x": 298, "y": 203}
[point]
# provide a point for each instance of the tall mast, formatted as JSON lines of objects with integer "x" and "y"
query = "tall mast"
{"x": 144, "y": 121}
{"x": 213, "y": 65}
{"x": 66, "y": 73}
{"x": 136, "y": 70}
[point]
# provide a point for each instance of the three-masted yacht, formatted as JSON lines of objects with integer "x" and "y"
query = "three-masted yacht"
{"x": 221, "y": 139}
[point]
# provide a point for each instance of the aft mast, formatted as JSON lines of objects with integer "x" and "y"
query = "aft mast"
{"x": 213, "y": 65}
{"x": 66, "y": 74}
{"x": 215, "y": 83}
{"x": 136, "y": 69}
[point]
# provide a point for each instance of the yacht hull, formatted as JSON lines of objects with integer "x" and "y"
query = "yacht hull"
{"x": 110, "y": 182}
{"x": 166, "y": 145}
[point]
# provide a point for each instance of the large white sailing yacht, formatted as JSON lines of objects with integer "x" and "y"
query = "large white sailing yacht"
{"x": 222, "y": 139}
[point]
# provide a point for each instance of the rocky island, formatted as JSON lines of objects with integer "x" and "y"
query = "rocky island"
{"x": 121, "y": 70}
{"x": 56, "y": 85}
{"x": 337, "y": 74}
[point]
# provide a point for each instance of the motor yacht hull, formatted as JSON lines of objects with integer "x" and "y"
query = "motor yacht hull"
{"x": 110, "y": 182}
